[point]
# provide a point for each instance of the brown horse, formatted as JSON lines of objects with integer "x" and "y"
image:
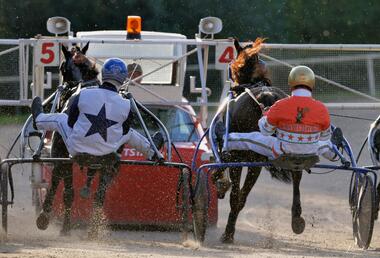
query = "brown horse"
{"x": 249, "y": 72}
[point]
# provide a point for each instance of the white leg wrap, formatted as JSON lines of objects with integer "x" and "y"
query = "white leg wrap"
{"x": 135, "y": 140}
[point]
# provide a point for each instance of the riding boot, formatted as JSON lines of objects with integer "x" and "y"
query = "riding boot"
{"x": 158, "y": 140}
{"x": 337, "y": 137}
{"x": 36, "y": 110}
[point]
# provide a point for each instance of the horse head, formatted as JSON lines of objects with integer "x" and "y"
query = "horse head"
{"x": 248, "y": 68}
{"x": 77, "y": 67}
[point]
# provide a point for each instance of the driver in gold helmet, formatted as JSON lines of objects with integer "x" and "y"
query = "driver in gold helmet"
{"x": 301, "y": 123}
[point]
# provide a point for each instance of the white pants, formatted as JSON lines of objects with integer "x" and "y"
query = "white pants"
{"x": 58, "y": 122}
{"x": 272, "y": 147}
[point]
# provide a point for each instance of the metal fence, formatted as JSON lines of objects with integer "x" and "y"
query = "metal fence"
{"x": 345, "y": 73}
{"x": 9, "y": 71}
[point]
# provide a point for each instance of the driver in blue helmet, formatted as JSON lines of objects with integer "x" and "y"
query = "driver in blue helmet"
{"x": 98, "y": 120}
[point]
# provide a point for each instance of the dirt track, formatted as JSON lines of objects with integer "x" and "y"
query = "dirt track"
{"x": 263, "y": 228}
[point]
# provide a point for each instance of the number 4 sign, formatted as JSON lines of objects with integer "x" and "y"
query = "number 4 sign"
{"x": 224, "y": 54}
{"x": 46, "y": 53}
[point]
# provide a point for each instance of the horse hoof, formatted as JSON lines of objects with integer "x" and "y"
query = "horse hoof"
{"x": 66, "y": 227}
{"x": 298, "y": 225}
{"x": 85, "y": 192}
{"x": 227, "y": 239}
{"x": 42, "y": 221}
{"x": 65, "y": 232}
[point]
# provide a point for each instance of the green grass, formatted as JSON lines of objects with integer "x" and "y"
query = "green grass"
{"x": 7, "y": 119}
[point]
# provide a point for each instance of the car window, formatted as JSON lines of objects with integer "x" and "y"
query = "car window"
{"x": 178, "y": 123}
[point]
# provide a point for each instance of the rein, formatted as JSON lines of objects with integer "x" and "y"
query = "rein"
{"x": 242, "y": 88}
{"x": 353, "y": 117}
{"x": 252, "y": 96}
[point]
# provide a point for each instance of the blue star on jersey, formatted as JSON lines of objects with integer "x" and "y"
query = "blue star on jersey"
{"x": 99, "y": 123}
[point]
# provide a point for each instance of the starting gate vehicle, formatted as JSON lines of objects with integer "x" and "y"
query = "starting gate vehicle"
{"x": 142, "y": 193}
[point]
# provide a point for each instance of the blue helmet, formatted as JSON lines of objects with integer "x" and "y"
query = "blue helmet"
{"x": 114, "y": 71}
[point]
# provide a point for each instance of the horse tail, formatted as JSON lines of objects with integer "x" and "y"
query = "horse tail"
{"x": 282, "y": 175}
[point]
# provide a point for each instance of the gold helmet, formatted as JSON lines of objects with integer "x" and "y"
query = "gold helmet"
{"x": 301, "y": 75}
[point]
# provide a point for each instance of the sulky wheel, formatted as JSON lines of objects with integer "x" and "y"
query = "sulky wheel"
{"x": 352, "y": 194}
{"x": 4, "y": 196}
{"x": 200, "y": 207}
{"x": 363, "y": 215}
{"x": 186, "y": 201}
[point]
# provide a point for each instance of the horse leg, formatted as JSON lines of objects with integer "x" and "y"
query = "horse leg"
{"x": 86, "y": 190}
{"x": 68, "y": 198}
{"x": 298, "y": 223}
{"x": 228, "y": 235}
{"x": 43, "y": 218}
{"x": 250, "y": 180}
{"x": 238, "y": 204}
{"x": 58, "y": 150}
{"x": 97, "y": 218}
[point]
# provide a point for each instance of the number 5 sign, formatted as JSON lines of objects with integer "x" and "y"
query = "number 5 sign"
{"x": 46, "y": 53}
{"x": 224, "y": 54}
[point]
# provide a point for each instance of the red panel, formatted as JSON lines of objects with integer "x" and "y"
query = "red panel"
{"x": 138, "y": 194}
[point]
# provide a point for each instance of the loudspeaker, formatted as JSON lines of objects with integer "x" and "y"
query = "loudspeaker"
{"x": 210, "y": 25}
{"x": 58, "y": 25}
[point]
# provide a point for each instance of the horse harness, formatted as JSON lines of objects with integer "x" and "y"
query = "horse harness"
{"x": 239, "y": 89}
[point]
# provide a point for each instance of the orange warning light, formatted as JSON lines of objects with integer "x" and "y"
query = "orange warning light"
{"x": 133, "y": 27}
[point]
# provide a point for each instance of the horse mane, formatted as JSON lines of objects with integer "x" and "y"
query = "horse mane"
{"x": 243, "y": 68}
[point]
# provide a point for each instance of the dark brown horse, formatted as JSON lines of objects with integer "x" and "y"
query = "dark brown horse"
{"x": 77, "y": 71}
{"x": 248, "y": 71}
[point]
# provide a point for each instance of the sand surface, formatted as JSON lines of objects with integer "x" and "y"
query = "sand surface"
{"x": 263, "y": 228}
